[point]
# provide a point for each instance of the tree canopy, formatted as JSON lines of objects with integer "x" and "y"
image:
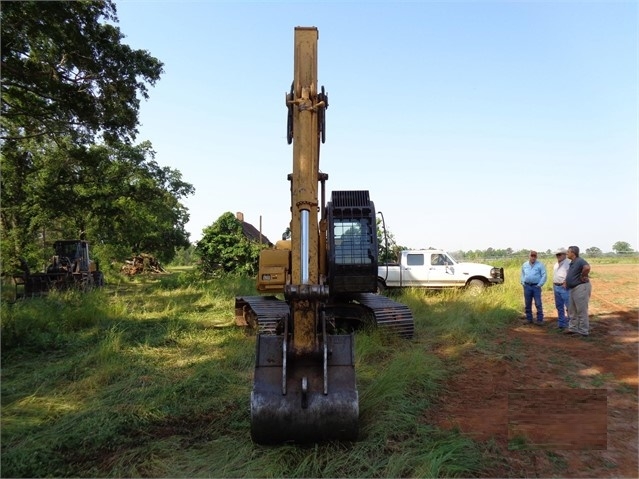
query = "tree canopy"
{"x": 71, "y": 92}
{"x": 622, "y": 247}
{"x": 65, "y": 72}
{"x": 387, "y": 247}
{"x": 594, "y": 251}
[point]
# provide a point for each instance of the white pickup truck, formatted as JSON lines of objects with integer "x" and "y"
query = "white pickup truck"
{"x": 434, "y": 268}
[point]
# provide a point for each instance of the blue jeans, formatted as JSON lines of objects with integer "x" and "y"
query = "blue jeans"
{"x": 562, "y": 301}
{"x": 533, "y": 293}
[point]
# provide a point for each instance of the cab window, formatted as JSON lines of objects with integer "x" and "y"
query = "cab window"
{"x": 415, "y": 259}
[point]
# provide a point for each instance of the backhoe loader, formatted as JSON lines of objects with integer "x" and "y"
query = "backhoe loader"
{"x": 304, "y": 387}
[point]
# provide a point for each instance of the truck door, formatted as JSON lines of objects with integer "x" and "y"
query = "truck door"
{"x": 414, "y": 270}
{"x": 441, "y": 272}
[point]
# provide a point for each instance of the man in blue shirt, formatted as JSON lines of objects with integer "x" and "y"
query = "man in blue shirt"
{"x": 533, "y": 277}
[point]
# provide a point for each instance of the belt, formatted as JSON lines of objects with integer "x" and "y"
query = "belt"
{"x": 558, "y": 284}
{"x": 531, "y": 284}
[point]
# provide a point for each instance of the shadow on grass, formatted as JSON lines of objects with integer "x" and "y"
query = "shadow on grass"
{"x": 149, "y": 384}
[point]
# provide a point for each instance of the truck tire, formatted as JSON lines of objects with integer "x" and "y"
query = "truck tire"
{"x": 381, "y": 287}
{"x": 475, "y": 285}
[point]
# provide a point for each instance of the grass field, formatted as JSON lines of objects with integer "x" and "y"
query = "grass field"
{"x": 152, "y": 378}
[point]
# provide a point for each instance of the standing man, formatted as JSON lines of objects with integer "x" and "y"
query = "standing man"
{"x": 533, "y": 277}
{"x": 559, "y": 272}
{"x": 578, "y": 284}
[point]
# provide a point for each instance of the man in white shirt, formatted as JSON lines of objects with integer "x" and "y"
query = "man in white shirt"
{"x": 562, "y": 295}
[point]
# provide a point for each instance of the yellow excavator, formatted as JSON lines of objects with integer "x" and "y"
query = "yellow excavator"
{"x": 304, "y": 387}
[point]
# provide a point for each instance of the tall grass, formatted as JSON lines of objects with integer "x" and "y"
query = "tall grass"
{"x": 152, "y": 378}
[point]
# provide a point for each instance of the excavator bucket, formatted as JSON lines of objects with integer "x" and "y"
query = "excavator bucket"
{"x": 306, "y": 400}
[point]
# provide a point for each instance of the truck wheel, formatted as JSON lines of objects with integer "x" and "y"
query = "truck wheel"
{"x": 381, "y": 287}
{"x": 475, "y": 286}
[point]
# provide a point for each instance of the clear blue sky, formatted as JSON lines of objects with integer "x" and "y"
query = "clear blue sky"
{"x": 472, "y": 124}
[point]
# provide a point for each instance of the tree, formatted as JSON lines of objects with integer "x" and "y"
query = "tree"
{"x": 66, "y": 72}
{"x": 67, "y": 82}
{"x": 225, "y": 248}
{"x": 622, "y": 247}
{"x": 184, "y": 256}
{"x": 593, "y": 251}
{"x": 114, "y": 195}
{"x": 139, "y": 204}
{"x": 387, "y": 247}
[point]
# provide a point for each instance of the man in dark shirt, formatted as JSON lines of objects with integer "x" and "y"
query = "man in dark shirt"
{"x": 579, "y": 286}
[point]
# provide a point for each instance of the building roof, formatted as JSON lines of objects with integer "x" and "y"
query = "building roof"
{"x": 251, "y": 232}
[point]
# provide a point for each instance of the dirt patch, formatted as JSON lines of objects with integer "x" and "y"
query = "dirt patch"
{"x": 523, "y": 400}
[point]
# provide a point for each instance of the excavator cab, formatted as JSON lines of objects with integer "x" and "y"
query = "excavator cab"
{"x": 352, "y": 238}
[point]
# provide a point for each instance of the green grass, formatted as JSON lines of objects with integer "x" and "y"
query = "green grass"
{"x": 518, "y": 443}
{"x": 560, "y": 465}
{"x": 151, "y": 377}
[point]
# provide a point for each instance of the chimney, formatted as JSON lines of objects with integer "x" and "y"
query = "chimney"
{"x": 240, "y": 216}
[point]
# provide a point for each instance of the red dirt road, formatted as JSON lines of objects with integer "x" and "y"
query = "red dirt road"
{"x": 556, "y": 405}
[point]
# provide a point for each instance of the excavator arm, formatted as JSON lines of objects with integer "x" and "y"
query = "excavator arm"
{"x": 305, "y": 293}
{"x": 304, "y": 385}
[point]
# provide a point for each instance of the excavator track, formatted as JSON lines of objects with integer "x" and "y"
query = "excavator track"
{"x": 389, "y": 315}
{"x": 266, "y": 312}
{"x": 261, "y": 312}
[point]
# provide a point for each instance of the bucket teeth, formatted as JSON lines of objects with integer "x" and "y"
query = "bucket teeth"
{"x": 304, "y": 413}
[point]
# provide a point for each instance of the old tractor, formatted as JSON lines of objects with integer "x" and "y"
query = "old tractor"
{"x": 71, "y": 267}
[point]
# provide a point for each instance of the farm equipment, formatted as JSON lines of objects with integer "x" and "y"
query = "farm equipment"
{"x": 70, "y": 267}
{"x": 304, "y": 387}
